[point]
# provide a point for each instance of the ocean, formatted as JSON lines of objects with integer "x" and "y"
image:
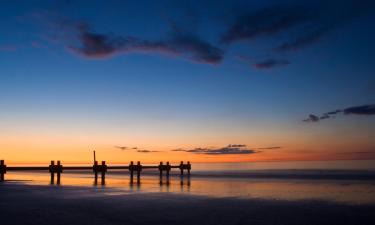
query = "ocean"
{"x": 349, "y": 182}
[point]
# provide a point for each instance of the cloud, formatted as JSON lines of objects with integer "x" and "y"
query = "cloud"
{"x": 121, "y": 147}
{"x": 95, "y": 45}
{"x": 228, "y": 150}
{"x": 295, "y": 25}
{"x": 146, "y": 151}
{"x": 265, "y": 63}
{"x": 135, "y": 148}
{"x": 312, "y": 118}
{"x": 360, "y": 110}
{"x": 267, "y": 148}
{"x": 236, "y": 145}
{"x": 355, "y": 110}
{"x": 271, "y": 63}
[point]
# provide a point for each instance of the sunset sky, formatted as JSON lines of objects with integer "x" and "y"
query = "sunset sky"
{"x": 185, "y": 80}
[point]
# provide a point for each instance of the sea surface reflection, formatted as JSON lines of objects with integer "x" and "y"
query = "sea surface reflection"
{"x": 355, "y": 186}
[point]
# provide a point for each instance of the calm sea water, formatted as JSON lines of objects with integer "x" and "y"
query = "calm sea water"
{"x": 350, "y": 182}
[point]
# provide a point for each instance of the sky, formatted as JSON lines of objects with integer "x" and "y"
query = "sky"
{"x": 205, "y": 81}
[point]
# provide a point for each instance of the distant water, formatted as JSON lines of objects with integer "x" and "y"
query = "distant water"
{"x": 341, "y": 181}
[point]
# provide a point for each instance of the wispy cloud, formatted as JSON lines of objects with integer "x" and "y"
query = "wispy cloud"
{"x": 231, "y": 149}
{"x": 271, "y": 63}
{"x": 147, "y": 151}
{"x": 297, "y": 24}
{"x": 95, "y": 45}
{"x": 272, "y": 147}
{"x": 264, "y": 64}
{"x": 355, "y": 110}
{"x": 121, "y": 147}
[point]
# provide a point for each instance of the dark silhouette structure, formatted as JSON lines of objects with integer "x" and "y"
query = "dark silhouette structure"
{"x": 102, "y": 169}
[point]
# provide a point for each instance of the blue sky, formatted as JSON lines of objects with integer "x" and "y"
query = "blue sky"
{"x": 150, "y": 66}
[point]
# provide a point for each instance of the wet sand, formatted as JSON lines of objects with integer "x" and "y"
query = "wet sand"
{"x": 32, "y": 204}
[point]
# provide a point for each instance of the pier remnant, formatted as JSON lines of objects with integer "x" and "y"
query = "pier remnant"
{"x": 3, "y": 170}
{"x": 139, "y": 170}
{"x": 98, "y": 168}
{"x": 52, "y": 171}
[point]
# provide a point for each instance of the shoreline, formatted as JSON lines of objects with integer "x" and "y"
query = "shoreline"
{"x": 35, "y": 204}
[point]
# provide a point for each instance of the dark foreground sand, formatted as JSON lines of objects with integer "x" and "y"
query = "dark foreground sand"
{"x": 24, "y": 204}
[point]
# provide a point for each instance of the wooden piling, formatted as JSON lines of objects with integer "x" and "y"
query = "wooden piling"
{"x": 131, "y": 168}
{"x": 182, "y": 168}
{"x": 139, "y": 169}
{"x": 103, "y": 170}
{"x": 52, "y": 171}
{"x": 58, "y": 171}
{"x": 2, "y": 170}
{"x": 95, "y": 170}
{"x": 168, "y": 169}
{"x": 188, "y": 167}
{"x": 161, "y": 173}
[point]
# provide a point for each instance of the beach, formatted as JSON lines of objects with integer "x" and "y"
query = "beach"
{"x": 35, "y": 204}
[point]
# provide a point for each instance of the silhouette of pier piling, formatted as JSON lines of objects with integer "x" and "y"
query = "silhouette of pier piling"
{"x": 101, "y": 169}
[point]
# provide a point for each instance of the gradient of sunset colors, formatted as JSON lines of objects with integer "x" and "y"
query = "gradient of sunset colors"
{"x": 227, "y": 81}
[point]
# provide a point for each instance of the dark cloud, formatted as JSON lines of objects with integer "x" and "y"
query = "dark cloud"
{"x": 273, "y": 147}
{"x": 312, "y": 118}
{"x": 95, "y": 45}
{"x": 355, "y": 110}
{"x": 297, "y": 24}
{"x": 265, "y": 63}
{"x": 271, "y": 63}
{"x": 359, "y": 152}
{"x": 228, "y": 150}
{"x": 360, "y": 110}
{"x": 121, "y": 147}
{"x": 236, "y": 146}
